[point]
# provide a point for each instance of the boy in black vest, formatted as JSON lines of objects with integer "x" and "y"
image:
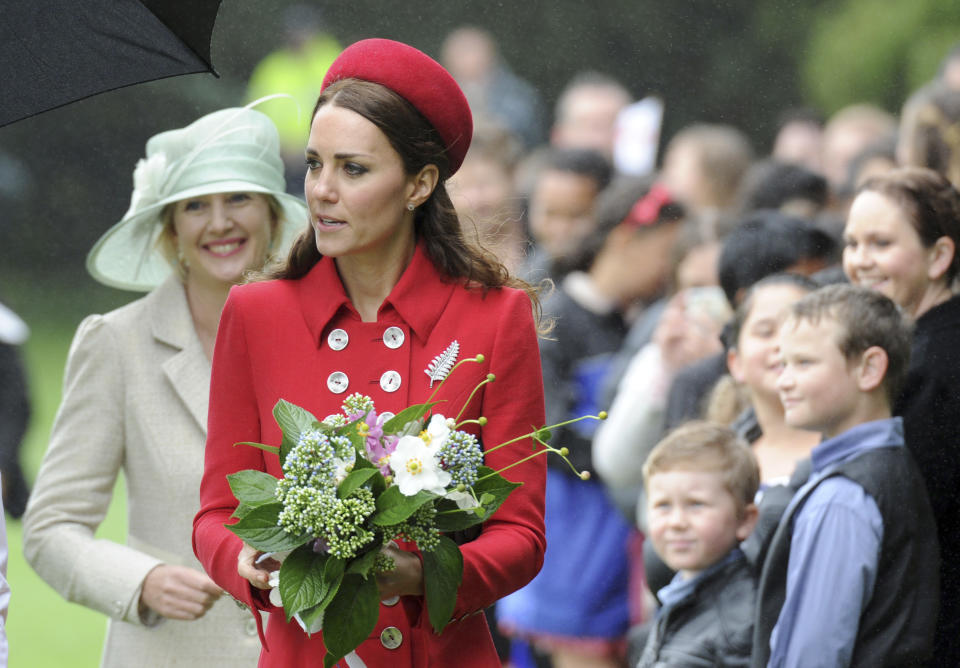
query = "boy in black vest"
{"x": 850, "y": 578}
{"x": 700, "y": 483}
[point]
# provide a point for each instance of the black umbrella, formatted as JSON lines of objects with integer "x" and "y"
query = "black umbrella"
{"x": 53, "y": 52}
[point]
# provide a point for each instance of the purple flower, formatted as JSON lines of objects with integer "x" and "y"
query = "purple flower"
{"x": 379, "y": 445}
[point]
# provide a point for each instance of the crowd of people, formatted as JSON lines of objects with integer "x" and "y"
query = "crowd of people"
{"x": 670, "y": 291}
{"x": 770, "y": 334}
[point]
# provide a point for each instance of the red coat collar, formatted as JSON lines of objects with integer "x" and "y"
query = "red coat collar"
{"x": 419, "y": 297}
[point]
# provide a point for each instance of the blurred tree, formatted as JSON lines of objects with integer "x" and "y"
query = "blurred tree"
{"x": 877, "y": 50}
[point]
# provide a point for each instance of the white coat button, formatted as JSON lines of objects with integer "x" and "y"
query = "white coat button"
{"x": 337, "y": 382}
{"x": 390, "y": 381}
{"x": 393, "y": 337}
{"x": 250, "y": 627}
{"x": 391, "y": 637}
{"x": 338, "y": 339}
{"x": 390, "y": 602}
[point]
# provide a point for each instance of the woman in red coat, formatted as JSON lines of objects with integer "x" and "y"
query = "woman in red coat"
{"x": 380, "y": 284}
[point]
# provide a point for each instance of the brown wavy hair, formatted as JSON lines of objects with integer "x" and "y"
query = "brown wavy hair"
{"x": 436, "y": 223}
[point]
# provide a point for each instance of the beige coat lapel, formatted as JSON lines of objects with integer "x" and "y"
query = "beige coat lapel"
{"x": 189, "y": 369}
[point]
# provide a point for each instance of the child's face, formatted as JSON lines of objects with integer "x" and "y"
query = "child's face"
{"x": 693, "y": 519}
{"x": 755, "y": 361}
{"x": 818, "y": 385}
{"x": 561, "y": 211}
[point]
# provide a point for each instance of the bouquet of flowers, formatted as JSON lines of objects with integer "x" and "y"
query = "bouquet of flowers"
{"x": 352, "y": 483}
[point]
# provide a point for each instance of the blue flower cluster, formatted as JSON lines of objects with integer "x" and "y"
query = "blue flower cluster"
{"x": 308, "y": 492}
{"x": 460, "y": 455}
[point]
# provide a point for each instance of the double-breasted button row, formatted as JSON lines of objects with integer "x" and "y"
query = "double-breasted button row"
{"x": 338, "y": 381}
{"x": 393, "y": 338}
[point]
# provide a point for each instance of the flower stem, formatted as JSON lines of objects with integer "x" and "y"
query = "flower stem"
{"x": 533, "y": 433}
{"x": 488, "y": 379}
{"x": 477, "y": 359}
{"x": 546, "y": 449}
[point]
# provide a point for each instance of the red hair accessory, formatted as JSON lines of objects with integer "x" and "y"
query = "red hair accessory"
{"x": 417, "y": 78}
{"x": 647, "y": 209}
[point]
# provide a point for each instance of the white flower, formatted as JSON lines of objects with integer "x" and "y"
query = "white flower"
{"x": 274, "y": 583}
{"x": 436, "y": 432}
{"x": 343, "y": 467}
{"x": 416, "y": 467}
{"x": 464, "y": 500}
{"x": 148, "y": 178}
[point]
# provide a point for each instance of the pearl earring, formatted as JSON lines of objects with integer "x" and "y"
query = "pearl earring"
{"x": 410, "y": 206}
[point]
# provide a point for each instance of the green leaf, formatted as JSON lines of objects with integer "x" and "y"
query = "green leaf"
{"x": 358, "y": 442}
{"x": 393, "y": 507}
{"x": 451, "y": 518}
{"x": 301, "y": 580}
{"x": 361, "y": 565}
{"x": 293, "y": 421}
{"x": 442, "y": 573}
{"x": 543, "y": 434}
{"x": 253, "y": 488}
{"x": 351, "y": 616}
{"x": 259, "y": 528}
{"x": 408, "y": 414}
{"x": 332, "y": 577}
{"x": 363, "y": 463}
{"x": 491, "y": 483}
{"x": 354, "y": 480}
{"x": 311, "y": 614}
{"x": 269, "y": 448}
{"x": 492, "y": 491}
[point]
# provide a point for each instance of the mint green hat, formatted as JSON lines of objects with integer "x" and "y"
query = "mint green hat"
{"x": 231, "y": 150}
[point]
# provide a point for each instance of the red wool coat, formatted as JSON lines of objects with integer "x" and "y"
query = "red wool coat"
{"x": 302, "y": 341}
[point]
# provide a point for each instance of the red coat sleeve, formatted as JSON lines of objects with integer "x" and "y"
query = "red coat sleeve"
{"x": 233, "y": 416}
{"x": 509, "y": 552}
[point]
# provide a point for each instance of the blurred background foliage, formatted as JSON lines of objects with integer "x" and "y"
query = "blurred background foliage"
{"x": 65, "y": 175}
{"x": 876, "y": 50}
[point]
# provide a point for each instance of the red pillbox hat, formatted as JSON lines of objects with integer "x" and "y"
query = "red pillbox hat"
{"x": 417, "y": 78}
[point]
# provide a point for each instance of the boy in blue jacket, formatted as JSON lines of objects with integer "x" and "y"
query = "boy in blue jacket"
{"x": 850, "y": 578}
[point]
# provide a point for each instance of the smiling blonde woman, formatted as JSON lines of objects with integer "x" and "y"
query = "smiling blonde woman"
{"x": 207, "y": 206}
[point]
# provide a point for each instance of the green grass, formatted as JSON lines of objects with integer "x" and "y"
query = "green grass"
{"x": 43, "y": 630}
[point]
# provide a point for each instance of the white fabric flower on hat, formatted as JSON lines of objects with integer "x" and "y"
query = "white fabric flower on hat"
{"x": 416, "y": 466}
{"x": 148, "y": 178}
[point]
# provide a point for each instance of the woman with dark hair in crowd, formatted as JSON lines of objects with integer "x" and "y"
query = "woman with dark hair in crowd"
{"x": 901, "y": 238}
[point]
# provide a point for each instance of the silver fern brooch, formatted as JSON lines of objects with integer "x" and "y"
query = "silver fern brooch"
{"x": 441, "y": 365}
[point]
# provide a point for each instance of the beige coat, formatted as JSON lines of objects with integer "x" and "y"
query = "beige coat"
{"x": 134, "y": 398}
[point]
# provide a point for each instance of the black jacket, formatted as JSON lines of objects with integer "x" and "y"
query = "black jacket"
{"x": 930, "y": 406}
{"x": 896, "y": 626}
{"x": 711, "y": 627}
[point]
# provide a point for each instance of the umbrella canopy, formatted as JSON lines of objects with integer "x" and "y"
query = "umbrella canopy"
{"x": 53, "y": 52}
